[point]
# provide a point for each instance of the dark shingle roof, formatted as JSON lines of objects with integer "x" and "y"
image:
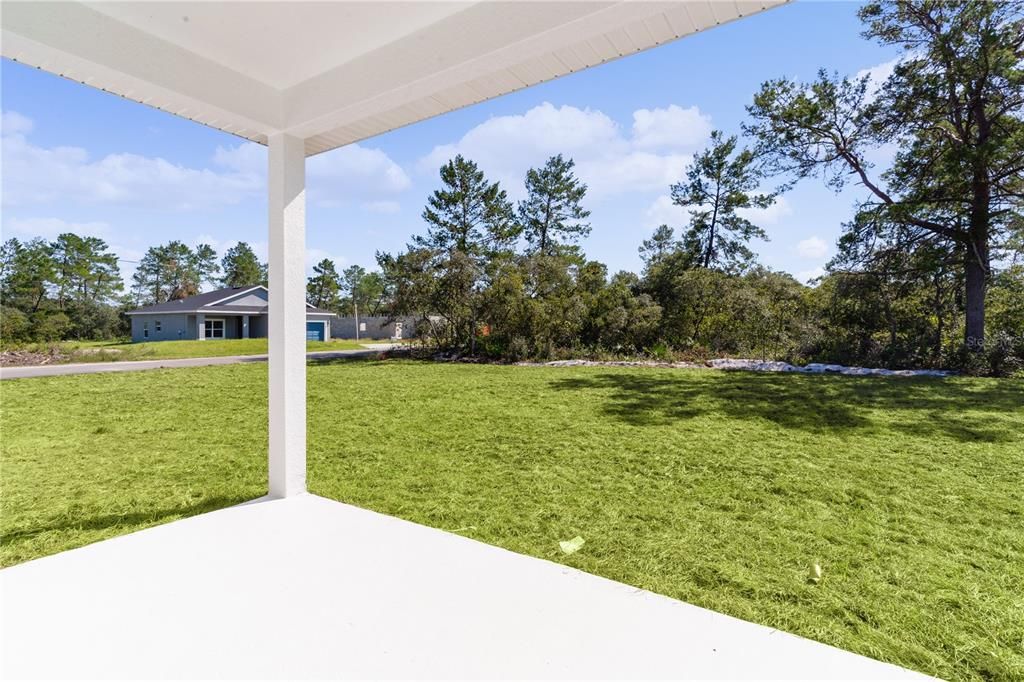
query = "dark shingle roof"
{"x": 192, "y": 302}
{"x": 201, "y": 301}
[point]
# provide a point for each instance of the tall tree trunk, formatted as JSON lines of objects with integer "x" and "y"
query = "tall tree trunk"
{"x": 975, "y": 287}
{"x": 977, "y": 262}
{"x": 939, "y": 318}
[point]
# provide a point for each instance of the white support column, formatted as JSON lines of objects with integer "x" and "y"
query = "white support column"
{"x": 245, "y": 326}
{"x": 286, "y": 183}
{"x": 200, "y": 326}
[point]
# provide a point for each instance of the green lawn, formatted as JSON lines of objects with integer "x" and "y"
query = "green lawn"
{"x": 107, "y": 351}
{"x": 719, "y": 489}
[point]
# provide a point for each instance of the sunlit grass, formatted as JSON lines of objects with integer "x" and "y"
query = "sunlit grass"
{"x": 719, "y": 489}
{"x": 113, "y": 351}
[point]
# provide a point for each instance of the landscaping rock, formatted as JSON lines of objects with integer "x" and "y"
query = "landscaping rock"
{"x": 747, "y": 365}
{"x": 821, "y": 368}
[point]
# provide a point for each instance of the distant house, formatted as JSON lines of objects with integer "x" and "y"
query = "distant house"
{"x": 232, "y": 313}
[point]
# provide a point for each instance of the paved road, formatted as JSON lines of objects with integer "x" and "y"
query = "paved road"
{"x": 136, "y": 365}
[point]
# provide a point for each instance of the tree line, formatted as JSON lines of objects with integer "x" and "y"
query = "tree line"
{"x": 929, "y": 270}
{"x": 72, "y": 287}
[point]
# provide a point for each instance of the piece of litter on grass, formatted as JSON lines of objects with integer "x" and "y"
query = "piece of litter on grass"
{"x": 571, "y": 546}
{"x": 815, "y": 574}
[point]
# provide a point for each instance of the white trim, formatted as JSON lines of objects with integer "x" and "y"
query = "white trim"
{"x": 286, "y": 342}
{"x": 445, "y": 60}
{"x": 323, "y": 328}
{"x": 211, "y": 320}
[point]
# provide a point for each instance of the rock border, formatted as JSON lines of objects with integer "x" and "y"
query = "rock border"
{"x": 741, "y": 364}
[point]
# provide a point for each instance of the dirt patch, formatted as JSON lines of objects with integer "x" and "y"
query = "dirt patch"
{"x": 49, "y": 356}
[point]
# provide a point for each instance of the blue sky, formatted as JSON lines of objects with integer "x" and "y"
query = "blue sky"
{"x": 81, "y": 160}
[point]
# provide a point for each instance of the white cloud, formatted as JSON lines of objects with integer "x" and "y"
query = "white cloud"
{"x": 13, "y": 123}
{"x": 609, "y": 161}
{"x": 49, "y": 228}
{"x": 381, "y": 207}
{"x": 767, "y": 216}
{"x": 877, "y": 75}
{"x": 673, "y": 127}
{"x": 812, "y": 247}
{"x": 349, "y": 173}
{"x": 806, "y": 276}
{"x": 314, "y": 256}
{"x": 663, "y": 211}
{"x": 33, "y": 174}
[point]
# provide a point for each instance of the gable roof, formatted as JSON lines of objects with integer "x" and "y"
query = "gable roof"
{"x": 210, "y": 302}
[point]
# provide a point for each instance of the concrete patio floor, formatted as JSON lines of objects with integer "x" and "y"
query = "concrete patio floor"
{"x": 306, "y": 587}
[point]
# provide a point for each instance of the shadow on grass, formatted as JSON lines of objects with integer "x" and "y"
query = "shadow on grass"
{"x": 369, "y": 357}
{"x": 133, "y": 520}
{"x": 921, "y": 407}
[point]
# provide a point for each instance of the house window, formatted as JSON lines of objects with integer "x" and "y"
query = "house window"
{"x": 145, "y": 330}
{"x": 156, "y": 325}
{"x": 215, "y": 329}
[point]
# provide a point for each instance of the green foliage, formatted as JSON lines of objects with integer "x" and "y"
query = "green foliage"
{"x": 241, "y": 267}
{"x": 50, "y": 325}
{"x": 60, "y": 289}
{"x": 173, "y": 271}
{"x": 952, "y": 106}
{"x": 468, "y": 214}
{"x": 85, "y": 271}
{"x": 365, "y": 292}
{"x": 323, "y": 289}
{"x": 552, "y": 213}
{"x": 28, "y": 271}
{"x": 719, "y": 183}
{"x": 15, "y": 326}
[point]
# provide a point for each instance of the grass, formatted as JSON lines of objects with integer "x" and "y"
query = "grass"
{"x": 719, "y": 489}
{"x": 115, "y": 351}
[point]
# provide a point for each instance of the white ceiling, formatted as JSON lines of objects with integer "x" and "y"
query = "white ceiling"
{"x": 334, "y": 73}
{"x": 258, "y": 40}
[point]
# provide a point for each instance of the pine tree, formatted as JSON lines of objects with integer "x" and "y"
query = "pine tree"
{"x": 468, "y": 215}
{"x": 241, "y": 267}
{"x": 323, "y": 289}
{"x": 719, "y": 183}
{"x": 552, "y": 213}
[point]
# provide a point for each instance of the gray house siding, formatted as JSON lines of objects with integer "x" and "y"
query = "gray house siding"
{"x": 179, "y": 319}
{"x": 258, "y": 297}
{"x": 173, "y": 327}
{"x": 375, "y": 328}
{"x": 258, "y": 326}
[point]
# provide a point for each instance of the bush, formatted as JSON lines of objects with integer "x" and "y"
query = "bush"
{"x": 50, "y": 326}
{"x": 998, "y": 356}
{"x": 15, "y": 326}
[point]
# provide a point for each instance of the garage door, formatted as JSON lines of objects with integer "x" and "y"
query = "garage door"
{"x": 314, "y": 331}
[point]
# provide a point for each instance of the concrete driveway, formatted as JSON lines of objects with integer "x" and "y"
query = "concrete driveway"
{"x": 137, "y": 365}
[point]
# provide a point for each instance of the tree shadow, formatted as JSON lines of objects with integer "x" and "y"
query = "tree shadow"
{"x": 370, "y": 358}
{"x": 151, "y": 517}
{"x": 816, "y": 404}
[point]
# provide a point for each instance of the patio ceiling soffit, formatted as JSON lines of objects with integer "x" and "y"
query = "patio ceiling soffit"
{"x": 232, "y": 65}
